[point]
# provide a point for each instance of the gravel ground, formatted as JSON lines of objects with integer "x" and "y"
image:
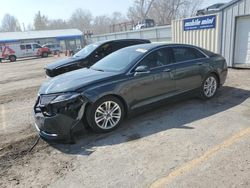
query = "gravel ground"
{"x": 190, "y": 143}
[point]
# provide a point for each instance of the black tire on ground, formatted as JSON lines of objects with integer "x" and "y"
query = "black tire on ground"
{"x": 85, "y": 122}
{"x": 92, "y": 113}
{"x": 44, "y": 54}
{"x": 209, "y": 87}
{"x": 12, "y": 58}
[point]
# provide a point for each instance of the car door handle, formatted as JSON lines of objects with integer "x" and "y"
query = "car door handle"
{"x": 199, "y": 63}
{"x": 167, "y": 70}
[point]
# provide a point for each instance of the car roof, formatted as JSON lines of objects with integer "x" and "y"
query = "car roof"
{"x": 122, "y": 40}
{"x": 28, "y": 43}
{"x": 51, "y": 43}
{"x": 151, "y": 46}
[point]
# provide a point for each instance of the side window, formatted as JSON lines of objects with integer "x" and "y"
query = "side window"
{"x": 36, "y": 46}
{"x": 1, "y": 49}
{"x": 198, "y": 54}
{"x": 22, "y": 47}
{"x": 186, "y": 54}
{"x": 104, "y": 50}
{"x": 157, "y": 58}
{"x": 28, "y": 46}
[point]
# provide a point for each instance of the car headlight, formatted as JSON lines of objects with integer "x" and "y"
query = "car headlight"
{"x": 65, "y": 97}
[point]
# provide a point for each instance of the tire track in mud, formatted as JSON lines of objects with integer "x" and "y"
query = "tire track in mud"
{"x": 19, "y": 95}
{"x": 15, "y": 79}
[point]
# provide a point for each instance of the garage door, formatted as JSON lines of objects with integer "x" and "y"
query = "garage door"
{"x": 242, "y": 46}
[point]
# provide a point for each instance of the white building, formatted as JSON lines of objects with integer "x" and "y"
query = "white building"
{"x": 226, "y": 32}
{"x": 67, "y": 38}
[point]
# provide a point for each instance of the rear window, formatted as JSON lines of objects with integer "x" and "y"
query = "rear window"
{"x": 186, "y": 54}
{"x": 22, "y": 47}
{"x": 208, "y": 53}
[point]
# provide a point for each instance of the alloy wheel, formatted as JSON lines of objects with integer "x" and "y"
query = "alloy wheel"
{"x": 108, "y": 115}
{"x": 210, "y": 86}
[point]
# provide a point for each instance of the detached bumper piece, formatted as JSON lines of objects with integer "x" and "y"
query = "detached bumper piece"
{"x": 55, "y": 121}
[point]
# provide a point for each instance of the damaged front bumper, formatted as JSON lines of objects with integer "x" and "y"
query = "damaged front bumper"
{"x": 56, "y": 120}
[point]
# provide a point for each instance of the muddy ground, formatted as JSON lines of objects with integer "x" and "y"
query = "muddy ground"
{"x": 190, "y": 143}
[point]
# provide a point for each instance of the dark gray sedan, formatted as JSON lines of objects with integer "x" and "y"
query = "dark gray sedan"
{"x": 101, "y": 96}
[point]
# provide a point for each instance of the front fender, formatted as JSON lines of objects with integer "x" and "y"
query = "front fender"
{"x": 95, "y": 93}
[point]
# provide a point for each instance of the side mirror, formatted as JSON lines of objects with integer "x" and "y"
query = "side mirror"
{"x": 143, "y": 69}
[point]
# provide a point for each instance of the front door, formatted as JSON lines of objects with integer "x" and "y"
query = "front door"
{"x": 36, "y": 48}
{"x": 158, "y": 83}
{"x": 28, "y": 50}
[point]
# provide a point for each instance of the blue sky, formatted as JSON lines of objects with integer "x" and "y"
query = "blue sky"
{"x": 25, "y": 10}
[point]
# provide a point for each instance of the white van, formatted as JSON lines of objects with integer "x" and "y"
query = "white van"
{"x": 54, "y": 47}
{"x": 14, "y": 51}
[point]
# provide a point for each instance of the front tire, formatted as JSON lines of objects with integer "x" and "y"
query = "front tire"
{"x": 209, "y": 87}
{"x": 105, "y": 115}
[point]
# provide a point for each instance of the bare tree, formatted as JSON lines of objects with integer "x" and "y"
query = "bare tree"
{"x": 58, "y": 24}
{"x": 81, "y": 19}
{"x": 101, "y": 24}
{"x": 10, "y": 24}
{"x": 190, "y": 7}
{"x": 40, "y": 21}
{"x": 140, "y": 9}
{"x": 30, "y": 27}
{"x": 117, "y": 17}
{"x": 163, "y": 11}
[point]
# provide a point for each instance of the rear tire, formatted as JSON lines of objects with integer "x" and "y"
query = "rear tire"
{"x": 12, "y": 58}
{"x": 209, "y": 87}
{"x": 105, "y": 115}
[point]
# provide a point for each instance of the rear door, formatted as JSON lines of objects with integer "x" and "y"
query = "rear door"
{"x": 21, "y": 52}
{"x": 190, "y": 64}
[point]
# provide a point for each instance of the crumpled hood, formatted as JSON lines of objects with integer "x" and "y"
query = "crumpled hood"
{"x": 63, "y": 62}
{"x": 73, "y": 80}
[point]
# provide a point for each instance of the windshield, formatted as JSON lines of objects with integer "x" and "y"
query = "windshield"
{"x": 87, "y": 50}
{"x": 119, "y": 60}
